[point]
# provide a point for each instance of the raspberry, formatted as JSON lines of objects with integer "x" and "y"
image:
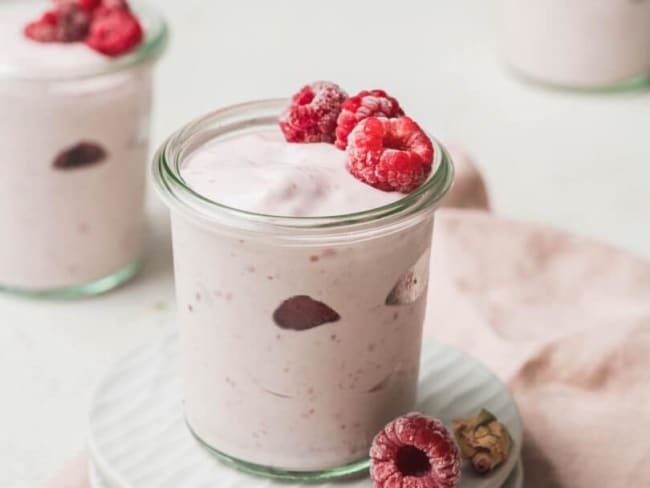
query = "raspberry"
{"x": 301, "y": 312}
{"x": 43, "y": 29}
{"x": 390, "y": 154}
{"x": 67, "y": 23}
{"x": 120, "y": 4}
{"x": 312, "y": 114}
{"x": 79, "y": 155}
{"x": 114, "y": 31}
{"x": 87, "y": 5}
{"x": 414, "y": 451}
{"x": 373, "y": 103}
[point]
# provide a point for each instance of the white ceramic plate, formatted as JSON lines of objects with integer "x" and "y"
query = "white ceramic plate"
{"x": 515, "y": 480}
{"x": 138, "y": 438}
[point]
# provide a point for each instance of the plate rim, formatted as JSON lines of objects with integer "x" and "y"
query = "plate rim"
{"x": 117, "y": 480}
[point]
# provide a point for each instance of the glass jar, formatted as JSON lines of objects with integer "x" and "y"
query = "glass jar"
{"x": 584, "y": 44}
{"x": 75, "y": 139}
{"x": 263, "y": 392}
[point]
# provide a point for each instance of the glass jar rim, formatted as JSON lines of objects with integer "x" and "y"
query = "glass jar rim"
{"x": 150, "y": 49}
{"x": 179, "y": 196}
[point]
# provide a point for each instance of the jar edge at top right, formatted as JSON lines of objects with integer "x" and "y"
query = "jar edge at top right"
{"x": 577, "y": 44}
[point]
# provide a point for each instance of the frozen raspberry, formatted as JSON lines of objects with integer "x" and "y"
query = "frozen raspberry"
{"x": 43, "y": 29}
{"x": 87, "y": 5}
{"x": 312, "y": 114}
{"x": 373, "y": 103}
{"x": 414, "y": 451}
{"x": 390, "y": 154}
{"x": 301, "y": 312}
{"x": 67, "y": 23}
{"x": 114, "y": 31}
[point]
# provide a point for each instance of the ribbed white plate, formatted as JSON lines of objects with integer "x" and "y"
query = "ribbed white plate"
{"x": 138, "y": 438}
{"x": 515, "y": 480}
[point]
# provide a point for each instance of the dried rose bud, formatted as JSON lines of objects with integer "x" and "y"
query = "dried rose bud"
{"x": 483, "y": 440}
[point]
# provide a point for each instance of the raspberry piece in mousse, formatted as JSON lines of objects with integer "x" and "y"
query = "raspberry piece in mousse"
{"x": 80, "y": 155}
{"x": 311, "y": 115}
{"x": 373, "y": 103}
{"x": 390, "y": 154}
{"x": 114, "y": 31}
{"x": 301, "y": 312}
{"x": 414, "y": 451}
{"x": 68, "y": 22}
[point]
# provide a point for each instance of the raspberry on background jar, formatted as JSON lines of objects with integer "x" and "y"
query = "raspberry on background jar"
{"x": 75, "y": 124}
{"x": 583, "y": 44}
{"x": 306, "y": 330}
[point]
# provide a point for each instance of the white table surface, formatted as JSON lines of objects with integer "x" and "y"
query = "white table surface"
{"x": 578, "y": 162}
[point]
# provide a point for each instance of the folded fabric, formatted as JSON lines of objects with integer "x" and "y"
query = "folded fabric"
{"x": 469, "y": 190}
{"x": 566, "y": 322}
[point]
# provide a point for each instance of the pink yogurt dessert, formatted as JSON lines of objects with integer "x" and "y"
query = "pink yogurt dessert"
{"x": 74, "y": 129}
{"x": 578, "y": 43}
{"x": 301, "y": 293}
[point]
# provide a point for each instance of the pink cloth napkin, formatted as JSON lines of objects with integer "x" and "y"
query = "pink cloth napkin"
{"x": 564, "y": 321}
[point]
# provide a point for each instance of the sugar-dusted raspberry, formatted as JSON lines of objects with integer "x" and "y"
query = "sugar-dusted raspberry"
{"x": 114, "y": 31}
{"x": 44, "y": 29}
{"x": 87, "y": 5}
{"x": 311, "y": 115}
{"x": 67, "y": 23}
{"x": 373, "y": 103}
{"x": 73, "y": 23}
{"x": 390, "y": 154}
{"x": 414, "y": 451}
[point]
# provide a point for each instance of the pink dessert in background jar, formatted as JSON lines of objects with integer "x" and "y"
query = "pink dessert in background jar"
{"x": 74, "y": 130}
{"x": 578, "y": 43}
{"x": 300, "y": 288}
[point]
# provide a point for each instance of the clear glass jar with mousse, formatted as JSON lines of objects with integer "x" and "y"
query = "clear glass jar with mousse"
{"x": 75, "y": 138}
{"x": 275, "y": 398}
{"x": 578, "y": 44}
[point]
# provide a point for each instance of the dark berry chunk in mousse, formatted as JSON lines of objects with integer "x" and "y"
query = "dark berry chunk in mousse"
{"x": 301, "y": 312}
{"x": 80, "y": 155}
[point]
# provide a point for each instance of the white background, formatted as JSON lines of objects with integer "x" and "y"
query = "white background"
{"x": 579, "y": 162}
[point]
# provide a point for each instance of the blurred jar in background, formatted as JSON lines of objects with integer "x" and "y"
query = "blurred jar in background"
{"x": 74, "y": 131}
{"x": 578, "y": 43}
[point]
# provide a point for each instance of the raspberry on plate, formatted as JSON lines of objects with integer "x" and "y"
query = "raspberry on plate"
{"x": 373, "y": 103}
{"x": 311, "y": 115}
{"x": 390, "y": 154}
{"x": 414, "y": 451}
{"x": 114, "y": 31}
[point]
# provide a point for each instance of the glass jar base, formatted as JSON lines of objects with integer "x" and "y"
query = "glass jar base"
{"x": 636, "y": 83}
{"x": 355, "y": 469}
{"x": 91, "y": 288}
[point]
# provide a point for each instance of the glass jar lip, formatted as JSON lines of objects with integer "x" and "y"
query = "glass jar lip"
{"x": 150, "y": 49}
{"x": 179, "y": 196}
